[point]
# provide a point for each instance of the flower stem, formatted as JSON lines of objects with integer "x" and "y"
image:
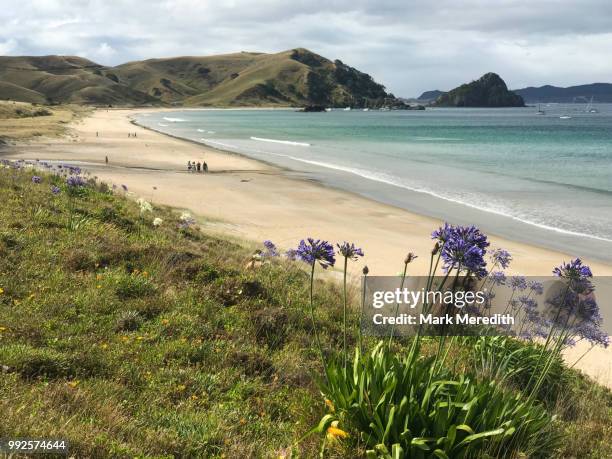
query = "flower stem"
{"x": 312, "y": 316}
{"x": 345, "y": 299}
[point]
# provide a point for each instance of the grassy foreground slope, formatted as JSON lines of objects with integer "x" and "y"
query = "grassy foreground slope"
{"x": 133, "y": 340}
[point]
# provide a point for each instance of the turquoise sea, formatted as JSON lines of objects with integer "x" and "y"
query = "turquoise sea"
{"x": 535, "y": 178}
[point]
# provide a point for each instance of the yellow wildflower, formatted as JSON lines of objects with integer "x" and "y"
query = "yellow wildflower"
{"x": 145, "y": 274}
{"x": 333, "y": 432}
{"x": 32, "y": 295}
{"x": 181, "y": 387}
{"x": 104, "y": 346}
{"x": 1, "y": 290}
{"x": 165, "y": 321}
{"x": 98, "y": 286}
{"x": 74, "y": 383}
{"x": 2, "y": 329}
{"x": 330, "y": 405}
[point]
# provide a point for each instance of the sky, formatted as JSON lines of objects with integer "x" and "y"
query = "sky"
{"x": 410, "y": 46}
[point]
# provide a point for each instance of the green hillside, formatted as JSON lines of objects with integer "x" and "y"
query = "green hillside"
{"x": 63, "y": 79}
{"x": 295, "y": 77}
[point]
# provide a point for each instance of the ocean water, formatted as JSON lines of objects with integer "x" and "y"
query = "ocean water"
{"x": 535, "y": 178}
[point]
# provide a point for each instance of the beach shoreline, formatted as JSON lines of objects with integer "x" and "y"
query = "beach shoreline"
{"x": 252, "y": 200}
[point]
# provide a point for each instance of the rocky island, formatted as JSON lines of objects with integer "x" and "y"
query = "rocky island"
{"x": 488, "y": 91}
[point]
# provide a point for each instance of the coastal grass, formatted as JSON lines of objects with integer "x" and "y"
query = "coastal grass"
{"x": 132, "y": 340}
{"x": 23, "y": 121}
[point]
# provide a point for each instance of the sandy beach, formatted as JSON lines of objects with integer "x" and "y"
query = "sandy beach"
{"x": 254, "y": 201}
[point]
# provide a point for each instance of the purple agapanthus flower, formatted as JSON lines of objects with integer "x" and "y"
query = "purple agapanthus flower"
{"x": 36, "y": 179}
{"x": 75, "y": 181}
{"x": 316, "y": 250}
{"x": 463, "y": 247}
{"x": 443, "y": 233}
{"x": 518, "y": 283}
{"x": 573, "y": 270}
{"x": 501, "y": 258}
{"x": 271, "y": 249}
{"x": 536, "y": 287}
{"x": 55, "y": 190}
{"x": 349, "y": 251}
{"x": 498, "y": 278}
{"x": 291, "y": 254}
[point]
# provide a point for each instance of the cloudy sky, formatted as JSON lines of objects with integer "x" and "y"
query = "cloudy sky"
{"x": 408, "y": 45}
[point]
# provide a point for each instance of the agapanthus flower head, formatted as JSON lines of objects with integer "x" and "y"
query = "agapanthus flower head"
{"x": 349, "y": 251}
{"x": 518, "y": 283}
{"x": 36, "y": 179}
{"x": 271, "y": 249}
{"x": 463, "y": 248}
{"x": 443, "y": 234}
{"x": 291, "y": 254}
{"x": 527, "y": 303}
{"x": 536, "y": 287}
{"x": 316, "y": 250}
{"x": 76, "y": 181}
{"x": 501, "y": 257}
{"x": 498, "y": 278}
{"x": 55, "y": 190}
{"x": 574, "y": 270}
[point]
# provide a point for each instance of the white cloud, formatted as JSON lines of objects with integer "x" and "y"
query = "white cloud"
{"x": 8, "y": 46}
{"x": 410, "y": 46}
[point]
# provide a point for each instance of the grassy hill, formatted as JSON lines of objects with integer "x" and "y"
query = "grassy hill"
{"x": 136, "y": 340}
{"x": 294, "y": 77}
{"x": 63, "y": 79}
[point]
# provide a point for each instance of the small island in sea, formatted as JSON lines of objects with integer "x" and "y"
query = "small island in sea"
{"x": 487, "y": 91}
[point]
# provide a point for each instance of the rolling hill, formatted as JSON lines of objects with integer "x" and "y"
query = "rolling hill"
{"x": 600, "y": 92}
{"x": 293, "y": 77}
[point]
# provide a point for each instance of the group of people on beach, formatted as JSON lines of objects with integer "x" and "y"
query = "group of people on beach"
{"x": 197, "y": 167}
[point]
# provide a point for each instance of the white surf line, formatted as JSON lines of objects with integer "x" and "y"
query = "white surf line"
{"x": 284, "y": 142}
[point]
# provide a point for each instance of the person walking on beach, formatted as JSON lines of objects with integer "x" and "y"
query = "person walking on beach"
{"x": 106, "y": 159}
{"x": 205, "y": 167}
{"x": 189, "y": 166}
{"x": 199, "y": 165}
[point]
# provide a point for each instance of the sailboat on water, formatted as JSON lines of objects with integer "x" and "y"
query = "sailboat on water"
{"x": 589, "y": 108}
{"x": 540, "y": 111}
